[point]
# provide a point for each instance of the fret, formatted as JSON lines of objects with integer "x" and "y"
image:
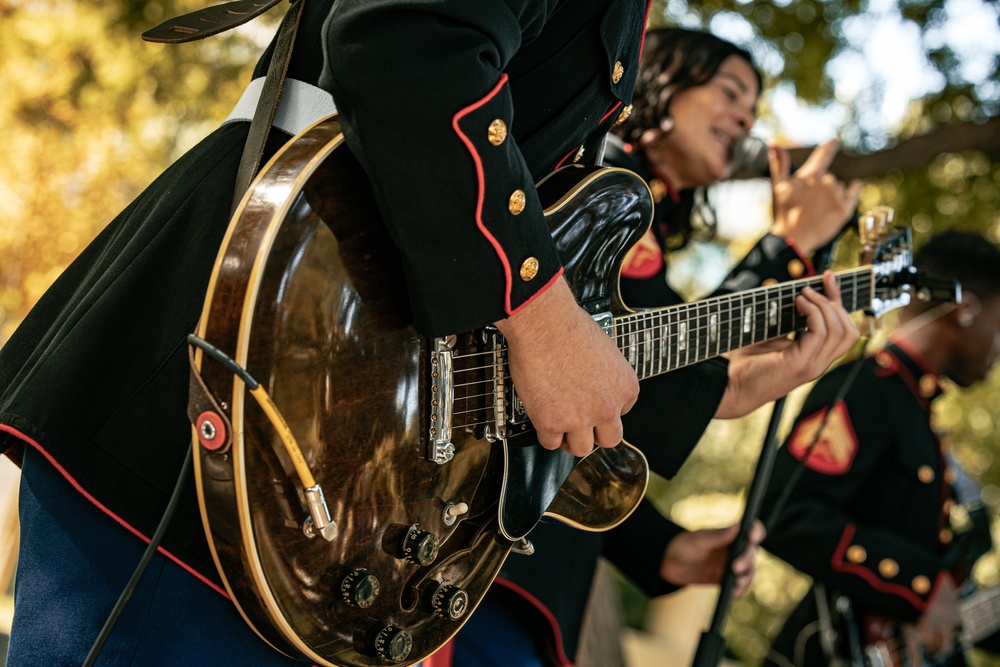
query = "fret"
{"x": 662, "y": 339}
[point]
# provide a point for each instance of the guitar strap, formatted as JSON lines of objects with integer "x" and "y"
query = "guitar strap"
{"x": 219, "y": 18}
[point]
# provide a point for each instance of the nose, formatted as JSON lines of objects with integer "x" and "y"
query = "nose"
{"x": 745, "y": 118}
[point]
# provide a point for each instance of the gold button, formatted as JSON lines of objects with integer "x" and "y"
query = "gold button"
{"x": 616, "y": 74}
{"x": 947, "y": 506}
{"x": 950, "y": 475}
{"x": 928, "y": 385}
{"x": 945, "y": 536}
{"x": 883, "y": 359}
{"x": 497, "y": 132}
{"x": 529, "y": 269}
{"x": 796, "y": 268}
{"x": 579, "y": 154}
{"x": 921, "y": 584}
{"x": 888, "y": 568}
{"x": 925, "y": 474}
{"x": 623, "y": 116}
{"x": 856, "y": 553}
{"x": 658, "y": 189}
{"x": 516, "y": 203}
{"x": 768, "y": 282}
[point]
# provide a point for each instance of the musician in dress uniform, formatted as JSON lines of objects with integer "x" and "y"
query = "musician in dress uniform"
{"x": 867, "y": 514}
{"x": 696, "y": 96}
{"x": 454, "y": 110}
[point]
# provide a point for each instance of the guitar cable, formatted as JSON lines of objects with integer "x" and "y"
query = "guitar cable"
{"x": 140, "y": 569}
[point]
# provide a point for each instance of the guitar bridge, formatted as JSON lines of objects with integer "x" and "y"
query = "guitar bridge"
{"x": 442, "y": 386}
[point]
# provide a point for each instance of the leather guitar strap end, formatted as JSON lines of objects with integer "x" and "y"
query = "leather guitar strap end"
{"x": 212, "y": 425}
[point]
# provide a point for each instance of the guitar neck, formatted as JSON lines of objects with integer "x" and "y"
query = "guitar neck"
{"x": 663, "y": 339}
{"x": 980, "y": 614}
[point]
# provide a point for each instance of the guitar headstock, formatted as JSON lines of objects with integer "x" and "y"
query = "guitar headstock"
{"x": 890, "y": 253}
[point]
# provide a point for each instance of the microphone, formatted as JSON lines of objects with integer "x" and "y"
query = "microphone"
{"x": 749, "y": 156}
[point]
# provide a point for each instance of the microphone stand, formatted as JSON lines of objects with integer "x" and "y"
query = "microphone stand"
{"x": 712, "y": 644}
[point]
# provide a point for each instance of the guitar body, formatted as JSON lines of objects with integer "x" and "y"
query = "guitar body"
{"x": 308, "y": 296}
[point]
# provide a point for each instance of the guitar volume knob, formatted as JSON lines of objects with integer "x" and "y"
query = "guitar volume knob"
{"x": 419, "y": 546}
{"x": 450, "y": 602}
{"x": 388, "y": 642}
{"x": 359, "y": 589}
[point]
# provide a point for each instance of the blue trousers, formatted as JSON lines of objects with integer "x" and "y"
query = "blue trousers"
{"x": 74, "y": 562}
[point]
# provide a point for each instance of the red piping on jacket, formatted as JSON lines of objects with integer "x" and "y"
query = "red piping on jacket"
{"x": 76, "y": 485}
{"x": 893, "y": 589}
{"x": 560, "y": 656}
{"x": 480, "y": 196}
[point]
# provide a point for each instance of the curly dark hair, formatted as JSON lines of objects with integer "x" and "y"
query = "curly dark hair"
{"x": 674, "y": 59}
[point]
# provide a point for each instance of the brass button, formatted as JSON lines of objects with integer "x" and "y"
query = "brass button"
{"x": 947, "y": 506}
{"x": 618, "y": 72}
{"x": 768, "y": 282}
{"x": 856, "y": 553}
{"x": 623, "y": 116}
{"x": 883, "y": 359}
{"x": 928, "y": 385}
{"x": 658, "y": 189}
{"x": 579, "y": 155}
{"x": 888, "y": 568}
{"x": 921, "y": 584}
{"x": 950, "y": 475}
{"x": 529, "y": 269}
{"x": 516, "y": 203}
{"x": 945, "y": 536}
{"x": 925, "y": 474}
{"x": 796, "y": 268}
{"x": 497, "y": 132}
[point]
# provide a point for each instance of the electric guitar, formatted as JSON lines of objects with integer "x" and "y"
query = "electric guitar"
{"x": 361, "y": 484}
{"x": 898, "y": 645}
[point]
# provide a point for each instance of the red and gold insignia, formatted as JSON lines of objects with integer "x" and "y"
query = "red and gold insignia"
{"x": 644, "y": 259}
{"x": 834, "y": 451}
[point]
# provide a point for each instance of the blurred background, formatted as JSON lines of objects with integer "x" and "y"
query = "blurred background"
{"x": 910, "y": 87}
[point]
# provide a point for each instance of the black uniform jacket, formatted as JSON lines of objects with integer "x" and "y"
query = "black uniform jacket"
{"x": 869, "y": 514}
{"x": 96, "y": 376}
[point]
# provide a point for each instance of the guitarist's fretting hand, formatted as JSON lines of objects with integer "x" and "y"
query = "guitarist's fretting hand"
{"x": 764, "y": 372}
{"x": 574, "y": 382}
{"x": 939, "y": 623}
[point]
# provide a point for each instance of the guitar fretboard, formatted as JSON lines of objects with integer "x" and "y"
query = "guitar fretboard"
{"x": 663, "y": 339}
{"x": 980, "y": 614}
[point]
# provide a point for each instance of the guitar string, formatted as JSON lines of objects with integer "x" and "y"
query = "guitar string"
{"x": 759, "y": 325}
{"x": 860, "y": 282}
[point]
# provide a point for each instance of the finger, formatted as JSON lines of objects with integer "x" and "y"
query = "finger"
{"x": 608, "y": 434}
{"x": 853, "y": 194}
{"x": 831, "y": 287}
{"x": 550, "y": 439}
{"x": 819, "y": 160}
{"x": 780, "y": 164}
{"x": 579, "y": 443}
{"x": 743, "y": 583}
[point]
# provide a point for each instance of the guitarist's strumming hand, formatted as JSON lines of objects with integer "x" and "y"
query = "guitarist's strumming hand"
{"x": 700, "y": 556}
{"x": 574, "y": 382}
{"x": 939, "y": 623}
{"x": 765, "y": 372}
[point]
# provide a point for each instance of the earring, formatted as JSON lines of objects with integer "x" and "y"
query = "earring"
{"x": 666, "y": 124}
{"x": 966, "y": 318}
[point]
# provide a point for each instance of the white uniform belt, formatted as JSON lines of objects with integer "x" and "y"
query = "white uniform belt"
{"x": 301, "y": 105}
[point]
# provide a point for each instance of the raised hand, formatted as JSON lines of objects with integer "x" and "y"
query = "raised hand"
{"x": 699, "y": 557}
{"x": 812, "y": 205}
{"x": 573, "y": 380}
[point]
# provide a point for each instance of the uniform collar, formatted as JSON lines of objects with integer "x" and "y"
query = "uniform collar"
{"x": 899, "y": 356}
